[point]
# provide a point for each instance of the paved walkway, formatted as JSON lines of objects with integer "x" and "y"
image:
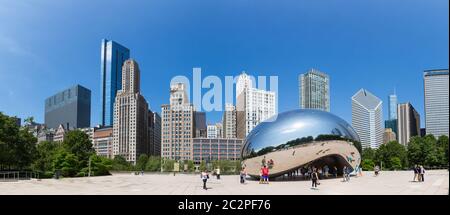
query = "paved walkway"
{"x": 390, "y": 183}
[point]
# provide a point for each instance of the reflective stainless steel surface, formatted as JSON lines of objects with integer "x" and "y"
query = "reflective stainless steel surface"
{"x": 300, "y": 128}
{"x": 289, "y": 126}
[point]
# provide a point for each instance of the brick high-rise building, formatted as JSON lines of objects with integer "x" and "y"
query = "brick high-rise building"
{"x": 130, "y": 130}
{"x": 177, "y": 125}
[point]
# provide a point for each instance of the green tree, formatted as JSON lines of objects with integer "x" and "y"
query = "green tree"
{"x": 17, "y": 146}
{"x": 77, "y": 142}
{"x": 396, "y": 163}
{"x": 442, "y": 143}
{"x": 29, "y": 120}
{"x": 168, "y": 165}
{"x": 368, "y": 153}
{"x": 120, "y": 163}
{"x": 67, "y": 163}
{"x": 428, "y": 151}
{"x": 141, "y": 162}
{"x": 45, "y": 154}
{"x": 24, "y": 149}
{"x": 99, "y": 166}
{"x": 202, "y": 166}
{"x": 153, "y": 164}
{"x": 191, "y": 166}
{"x": 367, "y": 164}
{"x": 415, "y": 153}
{"x": 389, "y": 150}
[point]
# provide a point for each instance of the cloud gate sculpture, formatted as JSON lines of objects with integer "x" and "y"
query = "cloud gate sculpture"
{"x": 300, "y": 138}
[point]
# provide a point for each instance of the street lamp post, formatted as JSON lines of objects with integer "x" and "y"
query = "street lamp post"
{"x": 89, "y": 174}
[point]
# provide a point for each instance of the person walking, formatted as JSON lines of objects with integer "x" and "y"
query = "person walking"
{"x": 242, "y": 175}
{"x": 377, "y": 170}
{"x": 335, "y": 171}
{"x": 344, "y": 174}
{"x": 218, "y": 173}
{"x": 422, "y": 173}
{"x": 204, "y": 176}
{"x": 265, "y": 174}
{"x": 309, "y": 172}
{"x": 314, "y": 179}
{"x": 349, "y": 171}
{"x": 416, "y": 173}
{"x": 325, "y": 169}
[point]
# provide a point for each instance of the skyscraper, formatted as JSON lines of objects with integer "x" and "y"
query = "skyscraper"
{"x": 177, "y": 125}
{"x": 436, "y": 102}
{"x": 130, "y": 128}
{"x": 229, "y": 121}
{"x": 200, "y": 124}
{"x": 253, "y": 105}
{"x": 388, "y": 136}
{"x": 367, "y": 117}
{"x": 392, "y": 106}
{"x": 391, "y": 122}
{"x": 314, "y": 87}
{"x": 154, "y": 134}
{"x": 408, "y": 123}
{"x": 212, "y": 132}
{"x": 70, "y": 107}
{"x": 113, "y": 55}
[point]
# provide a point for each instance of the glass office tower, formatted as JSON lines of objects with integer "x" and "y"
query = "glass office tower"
{"x": 113, "y": 55}
{"x": 70, "y": 108}
{"x": 436, "y": 102}
{"x": 392, "y": 107}
{"x": 314, "y": 87}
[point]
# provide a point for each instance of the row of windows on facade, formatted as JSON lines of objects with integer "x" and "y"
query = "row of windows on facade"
{"x": 173, "y": 148}
{"x": 186, "y": 113}
{"x": 214, "y": 154}
{"x": 177, "y": 136}
{"x": 213, "y": 158}
{"x": 175, "y": 124}
{"x": 177, "y": 153}
{"x": 177, "y": 144}
{"x": 233, "y": 152}
{"x": 187, "y": 140}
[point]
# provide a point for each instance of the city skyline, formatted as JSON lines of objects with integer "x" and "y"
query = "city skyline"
{"x": 26, "y": 86}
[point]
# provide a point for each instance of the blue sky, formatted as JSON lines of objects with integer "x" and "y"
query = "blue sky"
{"x": 47, "y": 46}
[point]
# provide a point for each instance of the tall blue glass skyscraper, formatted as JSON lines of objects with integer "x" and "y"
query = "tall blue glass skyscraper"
{"x": 393, "y": 106}
{"x": 392, "y": 118}
{"x": 113, "y": 55}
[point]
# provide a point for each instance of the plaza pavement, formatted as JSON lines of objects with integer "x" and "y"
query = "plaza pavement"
{"x": 388, "y": 182}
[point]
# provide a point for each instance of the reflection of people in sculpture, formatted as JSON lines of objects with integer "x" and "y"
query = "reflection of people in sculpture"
{"x": 350, "y": 159}
{"x": 270, "y": 163}
{"x": 263, "y": 162}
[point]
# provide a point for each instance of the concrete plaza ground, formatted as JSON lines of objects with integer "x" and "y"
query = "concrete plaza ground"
{"x": 388, "y": 182}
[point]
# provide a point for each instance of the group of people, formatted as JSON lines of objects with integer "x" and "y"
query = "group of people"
{"x": 242, "y": 175}
{"x": 322, "y": 172}
{"x": 205, "y": 176}
{"x": 419, "y": 173}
